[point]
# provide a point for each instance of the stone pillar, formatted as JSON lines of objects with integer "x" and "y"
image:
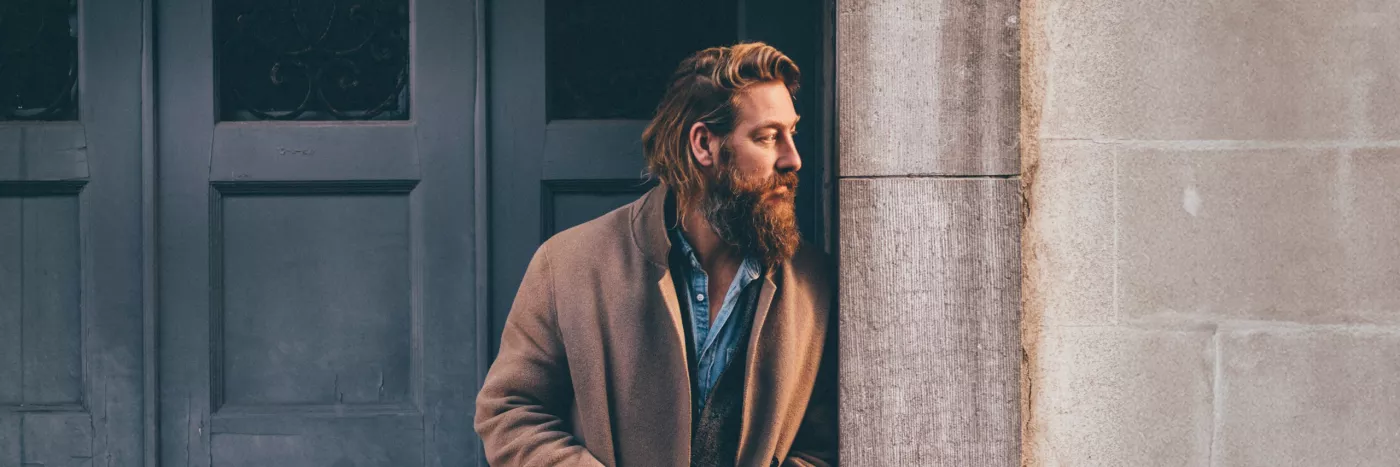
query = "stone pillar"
{"x": 929, "y": 221}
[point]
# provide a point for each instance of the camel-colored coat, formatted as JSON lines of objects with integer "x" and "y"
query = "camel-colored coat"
{"x": 592, "y": 368}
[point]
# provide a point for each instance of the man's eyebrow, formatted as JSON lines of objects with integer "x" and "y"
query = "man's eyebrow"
{"x": 778, "y": 124}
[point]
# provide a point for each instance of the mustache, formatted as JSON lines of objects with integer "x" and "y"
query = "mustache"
{"x": 764, "y": 186}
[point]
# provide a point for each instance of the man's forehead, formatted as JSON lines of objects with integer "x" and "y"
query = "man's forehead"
{"x": 767, "y": 104}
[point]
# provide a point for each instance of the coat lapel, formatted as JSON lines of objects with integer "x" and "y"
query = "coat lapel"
{"x": 667, "y": 288}
{"x": 785, "y": 351}
{"x": 752, "y": 443}
{"x": 649, "y": 234}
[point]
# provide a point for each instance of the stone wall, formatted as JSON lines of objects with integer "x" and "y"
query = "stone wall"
{"x": 1212, "y": 245}
{"x": 929, "y": 232}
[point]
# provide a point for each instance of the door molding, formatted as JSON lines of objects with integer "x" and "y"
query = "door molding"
{"x": 150, "y": 271}
{"x": 550, "y": 188}
{"x": 481, "y": 206}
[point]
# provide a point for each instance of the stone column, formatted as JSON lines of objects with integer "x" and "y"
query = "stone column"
{"x": 929, "y": 221}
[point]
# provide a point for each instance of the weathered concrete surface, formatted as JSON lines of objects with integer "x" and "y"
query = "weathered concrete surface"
{"x": 1309, "y": 397}
{"x": 927, "y": 88}
{"x": 1372, "y": 231}
{"x": 1122, "y": 397}
{"x": 929, "y": 339}
{"x": 1241, "y": 159}
{"x": 1074, "y": 236}
{"x": 1222, "y": 69}
{"x": 1222, "y": 233}
{"x": 1296, "y": 234}
{"x": 928, "y": 127}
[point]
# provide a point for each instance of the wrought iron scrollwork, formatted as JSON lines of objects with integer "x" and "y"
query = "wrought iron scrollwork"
{"x": 313, "y": 59}
{"x": 38, "y": 60}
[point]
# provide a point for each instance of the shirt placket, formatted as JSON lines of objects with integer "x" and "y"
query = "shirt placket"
{"x": 699, "y": 285}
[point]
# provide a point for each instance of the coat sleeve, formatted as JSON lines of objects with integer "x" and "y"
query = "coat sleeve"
{"x": 816, "y": 443}
{"x": 519, "y": 411}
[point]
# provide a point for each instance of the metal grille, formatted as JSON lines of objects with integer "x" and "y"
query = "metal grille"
{"x": 313, "y": 59}
{"x": 38, "y": 60}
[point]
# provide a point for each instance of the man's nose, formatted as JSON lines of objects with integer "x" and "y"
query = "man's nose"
{"x": 788, "y": 159}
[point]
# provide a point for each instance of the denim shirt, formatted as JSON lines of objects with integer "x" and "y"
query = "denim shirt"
{"x": 714, "y": 343}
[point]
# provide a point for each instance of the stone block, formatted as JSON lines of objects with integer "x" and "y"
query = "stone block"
{"x": 928, "y": 87}
{"x": 1252, "y": 234}
{"x": 1221, "y": 69}
{"x": 1070, "y": 272}
{"x": 930, "y": 342}
{"x": 1309, "y": 397}
{"x": 1371, "y": 216}
{"x": 1111, "y": 396}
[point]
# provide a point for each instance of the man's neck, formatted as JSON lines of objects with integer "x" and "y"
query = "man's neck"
{"x": 716, "y": 256}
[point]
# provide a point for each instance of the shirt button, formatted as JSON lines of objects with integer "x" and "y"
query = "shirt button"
{"x": 700, "y": 297}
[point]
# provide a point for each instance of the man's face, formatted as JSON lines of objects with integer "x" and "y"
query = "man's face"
{"x": 753, "y": 185}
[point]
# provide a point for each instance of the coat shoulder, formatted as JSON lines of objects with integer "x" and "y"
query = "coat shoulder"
{"x": 604, "y": 238}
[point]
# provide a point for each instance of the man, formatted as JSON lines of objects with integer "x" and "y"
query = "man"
{"x": 690, "y": 327}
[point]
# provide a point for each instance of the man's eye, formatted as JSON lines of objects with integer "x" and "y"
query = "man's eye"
{"x": 768, "y": 138}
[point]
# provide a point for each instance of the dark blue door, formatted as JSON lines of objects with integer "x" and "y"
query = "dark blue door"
{"x": 316, "y": 251}
{"x": 71, "y": 366}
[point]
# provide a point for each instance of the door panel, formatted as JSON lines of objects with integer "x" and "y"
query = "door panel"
{"x": 317, "y": 307}
{"x": 70, "y": 233}
{"x": 50, "y": 317}
{"x": 592, "y": 149}
{"x": 303, "y": 322}
{"x": 574, "y": 83}
{"x": 565, "y": 203}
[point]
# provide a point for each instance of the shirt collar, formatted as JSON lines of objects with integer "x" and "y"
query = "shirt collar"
{"x": 750, "y": 268}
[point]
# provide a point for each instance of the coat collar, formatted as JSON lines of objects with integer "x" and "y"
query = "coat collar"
{"x": 649, "y": 225}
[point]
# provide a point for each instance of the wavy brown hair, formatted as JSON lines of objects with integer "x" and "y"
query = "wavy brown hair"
{"x": 704, "y": 89}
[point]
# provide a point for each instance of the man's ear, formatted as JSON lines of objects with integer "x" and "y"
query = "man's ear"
{"x": 702, "y": 144}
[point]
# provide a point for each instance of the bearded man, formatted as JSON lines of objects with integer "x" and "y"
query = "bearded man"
{"x": 692, "y": 326}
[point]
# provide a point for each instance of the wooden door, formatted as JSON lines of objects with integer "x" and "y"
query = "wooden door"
{"x": 316, "y": 232}
{"x": 573, "y": 84}
{"x": 70, "y": 233}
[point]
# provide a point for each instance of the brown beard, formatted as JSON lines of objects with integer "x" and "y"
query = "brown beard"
{"x": 743, "y": 214}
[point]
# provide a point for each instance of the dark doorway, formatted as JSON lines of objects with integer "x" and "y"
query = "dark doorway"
{"x": 574, "y": 82}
